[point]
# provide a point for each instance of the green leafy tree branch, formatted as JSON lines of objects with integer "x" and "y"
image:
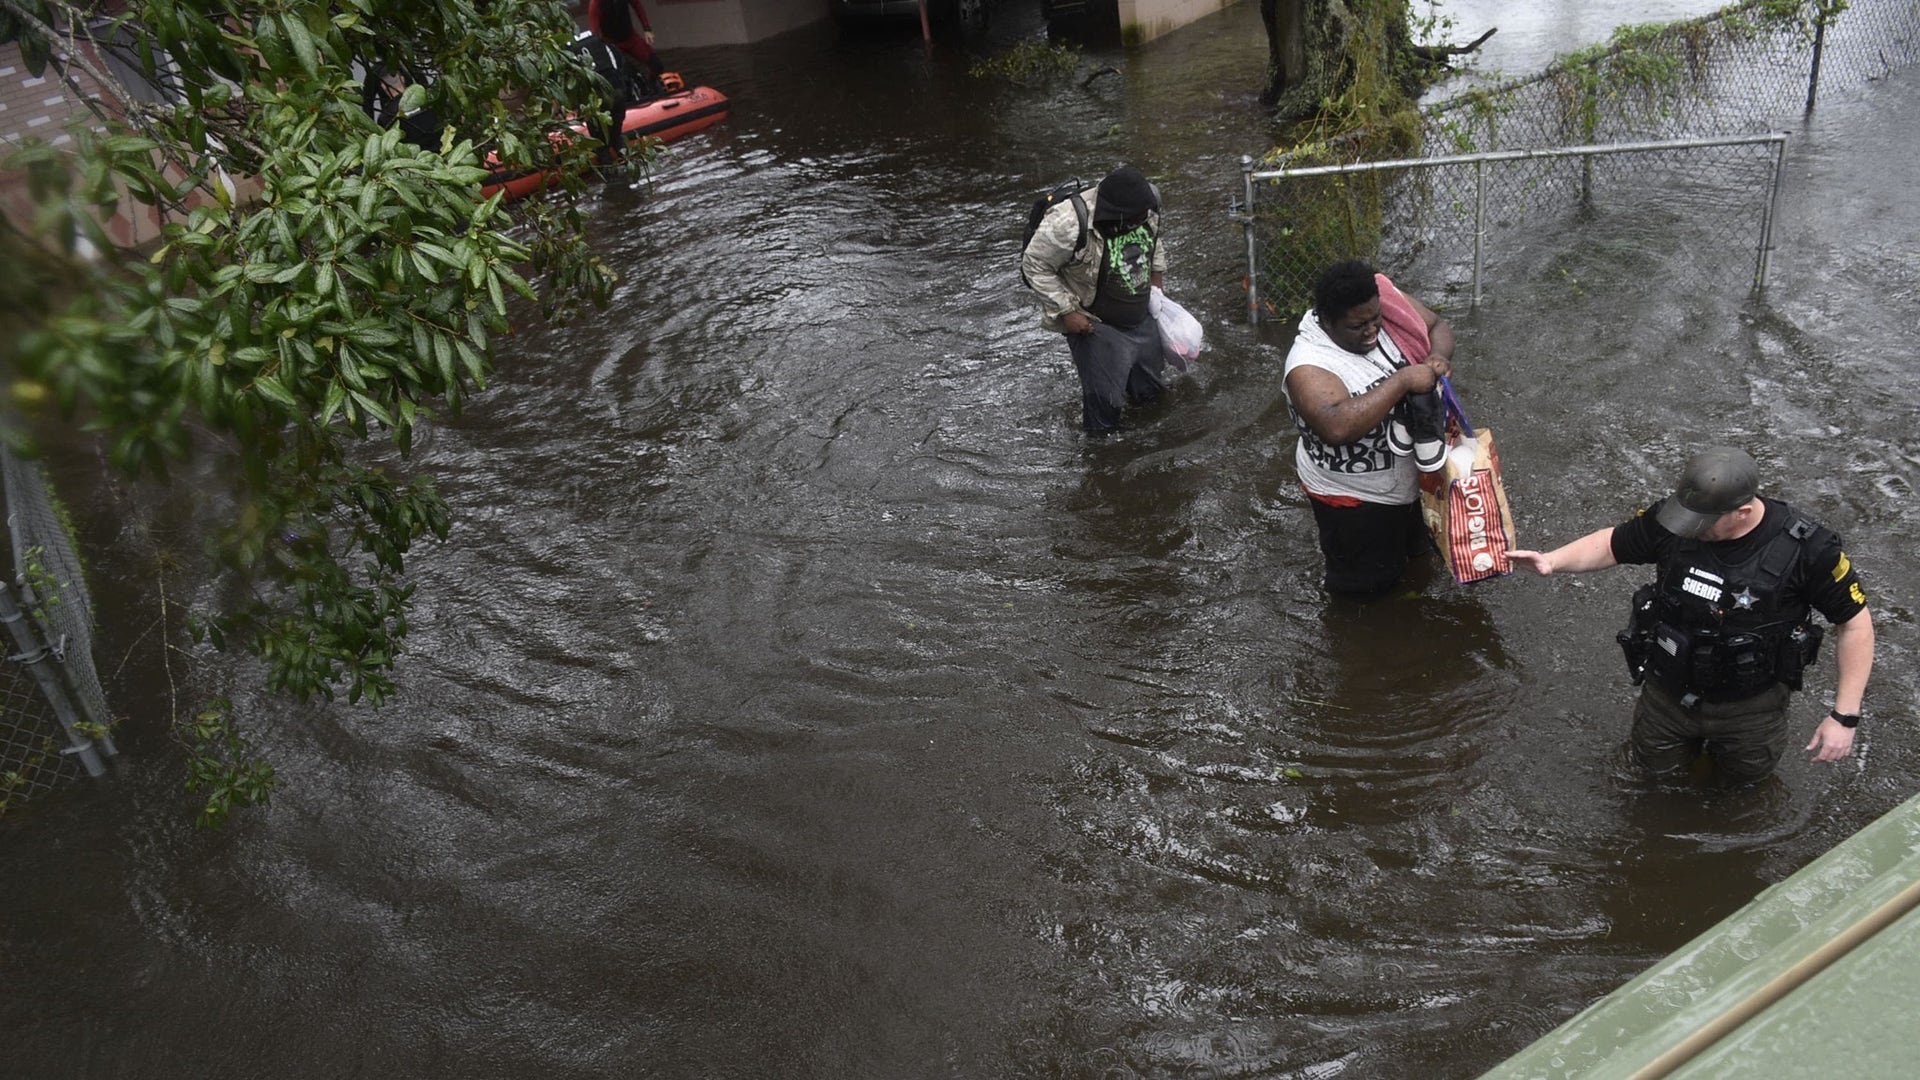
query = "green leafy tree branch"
{"x": 318, "y": 283}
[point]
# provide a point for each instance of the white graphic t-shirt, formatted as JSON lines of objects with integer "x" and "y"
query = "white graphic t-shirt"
{"x": 1367, "y": 469}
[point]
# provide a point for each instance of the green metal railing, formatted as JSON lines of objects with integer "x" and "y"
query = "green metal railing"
{"x": 1812, "y": 980}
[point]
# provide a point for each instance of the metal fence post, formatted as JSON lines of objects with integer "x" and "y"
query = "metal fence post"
{"x": 1819, "y": 42}
{"x": 1479, "y": 224}
{"x": 1592, "y": 125}
{"x": 33, "y": 655}
{"x": 1253, "y": 263}
{"x": 1766, "y": 218}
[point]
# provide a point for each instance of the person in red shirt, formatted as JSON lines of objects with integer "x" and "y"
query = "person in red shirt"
{"x": 623, "y": 24}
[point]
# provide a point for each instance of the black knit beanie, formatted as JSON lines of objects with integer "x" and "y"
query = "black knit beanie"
{"x": 1124, "y": 195}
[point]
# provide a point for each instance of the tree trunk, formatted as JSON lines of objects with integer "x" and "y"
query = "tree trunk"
{"x": 1306, "y": 54}
{"x": 1286, "y": 46}
{"x": 1309, "y": 59}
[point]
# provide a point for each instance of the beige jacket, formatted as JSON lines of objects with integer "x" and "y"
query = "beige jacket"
{"x": 1065, "y": 283}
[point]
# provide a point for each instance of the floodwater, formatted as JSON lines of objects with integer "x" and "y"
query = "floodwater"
{"x": 800, "y": 695}
{"x": 1527, "y": 36}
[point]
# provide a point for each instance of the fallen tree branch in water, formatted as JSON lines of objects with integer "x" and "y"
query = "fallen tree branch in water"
{"x": 1442, "y": 54}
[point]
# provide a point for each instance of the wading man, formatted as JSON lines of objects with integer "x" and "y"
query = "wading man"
{"x": 1719, "y": 638}
{"x": 1093, "y": 261}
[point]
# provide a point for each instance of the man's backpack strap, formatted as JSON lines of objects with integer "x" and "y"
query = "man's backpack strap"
{"x": 1069, "y": 190}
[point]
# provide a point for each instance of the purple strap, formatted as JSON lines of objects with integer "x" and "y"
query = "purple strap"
{"x": 1457, "y": 410}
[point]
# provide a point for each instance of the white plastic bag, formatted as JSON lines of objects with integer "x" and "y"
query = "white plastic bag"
{"x": 1180, "y": 332}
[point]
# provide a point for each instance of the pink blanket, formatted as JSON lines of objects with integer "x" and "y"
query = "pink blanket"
{"x": 1403, "y": 322}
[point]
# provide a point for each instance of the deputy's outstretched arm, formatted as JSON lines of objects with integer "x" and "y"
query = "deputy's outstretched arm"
{"x": 1593, "y": 551}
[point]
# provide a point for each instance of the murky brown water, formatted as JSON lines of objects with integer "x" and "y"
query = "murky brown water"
{"x": 800, "y": 696}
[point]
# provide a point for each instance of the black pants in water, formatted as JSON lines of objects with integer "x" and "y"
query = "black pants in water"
{"x": 1745, "y": 738}
{"x": 1117, "y": 367}
{"x": 1367, "y": 546}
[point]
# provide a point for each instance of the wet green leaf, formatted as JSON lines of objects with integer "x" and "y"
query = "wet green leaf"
{"x": 271, "y": 388}
{"x": 336, "y": 397}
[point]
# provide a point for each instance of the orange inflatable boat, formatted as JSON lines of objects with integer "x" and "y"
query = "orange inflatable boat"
{"x": 666, "y": 118}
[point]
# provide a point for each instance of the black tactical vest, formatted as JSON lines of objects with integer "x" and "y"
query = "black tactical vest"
{"x": 1723, "y": 631}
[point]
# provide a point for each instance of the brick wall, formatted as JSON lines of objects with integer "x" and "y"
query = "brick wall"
{"x": 42, "y": 107}
{"x": 30, "y": 104}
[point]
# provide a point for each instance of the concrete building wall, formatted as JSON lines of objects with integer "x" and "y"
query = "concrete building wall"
{"x": 1144, "y": 20}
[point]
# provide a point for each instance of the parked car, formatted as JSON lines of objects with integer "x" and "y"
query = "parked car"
{"x": 965, "y": 15}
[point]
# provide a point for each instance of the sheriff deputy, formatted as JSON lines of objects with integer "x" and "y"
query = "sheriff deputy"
{"x": 1718, "y": 641}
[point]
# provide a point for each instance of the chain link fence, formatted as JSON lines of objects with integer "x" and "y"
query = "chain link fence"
{"x": 30, "y": 758}
{"x": 1733, "y": 72}
{"x": 1472, "y": 209}
{"x": 1455, "y": 222}
{"x": 56, "y": 719}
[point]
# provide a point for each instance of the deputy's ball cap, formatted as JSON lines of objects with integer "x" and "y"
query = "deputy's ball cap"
{"x": 1719, "y": 479}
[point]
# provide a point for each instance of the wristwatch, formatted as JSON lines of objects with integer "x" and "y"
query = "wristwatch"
{"x": 1844, "y": 719}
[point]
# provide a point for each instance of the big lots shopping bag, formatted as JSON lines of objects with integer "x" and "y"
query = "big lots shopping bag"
{"x": 1467, "y": 512}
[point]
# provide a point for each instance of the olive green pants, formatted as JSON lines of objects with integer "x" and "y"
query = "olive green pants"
{"x": 1745, "y": 738}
